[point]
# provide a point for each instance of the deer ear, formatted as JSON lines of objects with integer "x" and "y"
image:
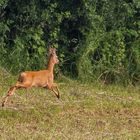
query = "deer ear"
{"x": 50, "y": 50}
{"x": 54, "y": 50}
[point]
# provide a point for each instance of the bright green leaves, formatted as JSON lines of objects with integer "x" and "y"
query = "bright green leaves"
{"x": 3, "y": 3}
{"x": 33, "y": 46}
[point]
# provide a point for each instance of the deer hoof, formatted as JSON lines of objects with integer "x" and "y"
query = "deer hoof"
{"x": 58, "y": 96}
{"x": 3, "y": 104}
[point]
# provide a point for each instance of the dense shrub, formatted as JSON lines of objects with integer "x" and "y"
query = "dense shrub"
{"x": 96, "y": 40}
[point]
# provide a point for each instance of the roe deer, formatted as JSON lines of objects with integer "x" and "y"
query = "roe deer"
{"x": 42, "y": 78}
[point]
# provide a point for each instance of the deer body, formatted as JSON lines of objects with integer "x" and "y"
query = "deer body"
{"x": 42, "y": 78}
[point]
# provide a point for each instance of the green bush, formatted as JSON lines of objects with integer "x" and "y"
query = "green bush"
{"x": 96, "y": 40}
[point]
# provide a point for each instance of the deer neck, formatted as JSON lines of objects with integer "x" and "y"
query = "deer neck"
{"x": 50, "y": 65}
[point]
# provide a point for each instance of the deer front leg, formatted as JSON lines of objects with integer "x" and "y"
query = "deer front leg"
{"x": 56, "y": 90}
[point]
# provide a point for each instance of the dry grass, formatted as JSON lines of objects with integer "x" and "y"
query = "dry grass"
{"x": 85, "y": 112}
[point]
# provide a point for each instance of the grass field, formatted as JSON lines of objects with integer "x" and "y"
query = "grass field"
{"x": 85, "y": 112}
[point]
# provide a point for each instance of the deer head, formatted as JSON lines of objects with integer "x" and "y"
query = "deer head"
{"x": 53, "y": 55}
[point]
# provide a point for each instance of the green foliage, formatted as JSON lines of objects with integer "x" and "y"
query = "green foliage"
{"x": 96, "y": 40}
{"x": 107, "y": 55}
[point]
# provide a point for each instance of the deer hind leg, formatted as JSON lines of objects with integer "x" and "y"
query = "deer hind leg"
{"x": 56, "y": 90}
{"x": 12, "y": 90}
{"x": 9, "y": 93}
